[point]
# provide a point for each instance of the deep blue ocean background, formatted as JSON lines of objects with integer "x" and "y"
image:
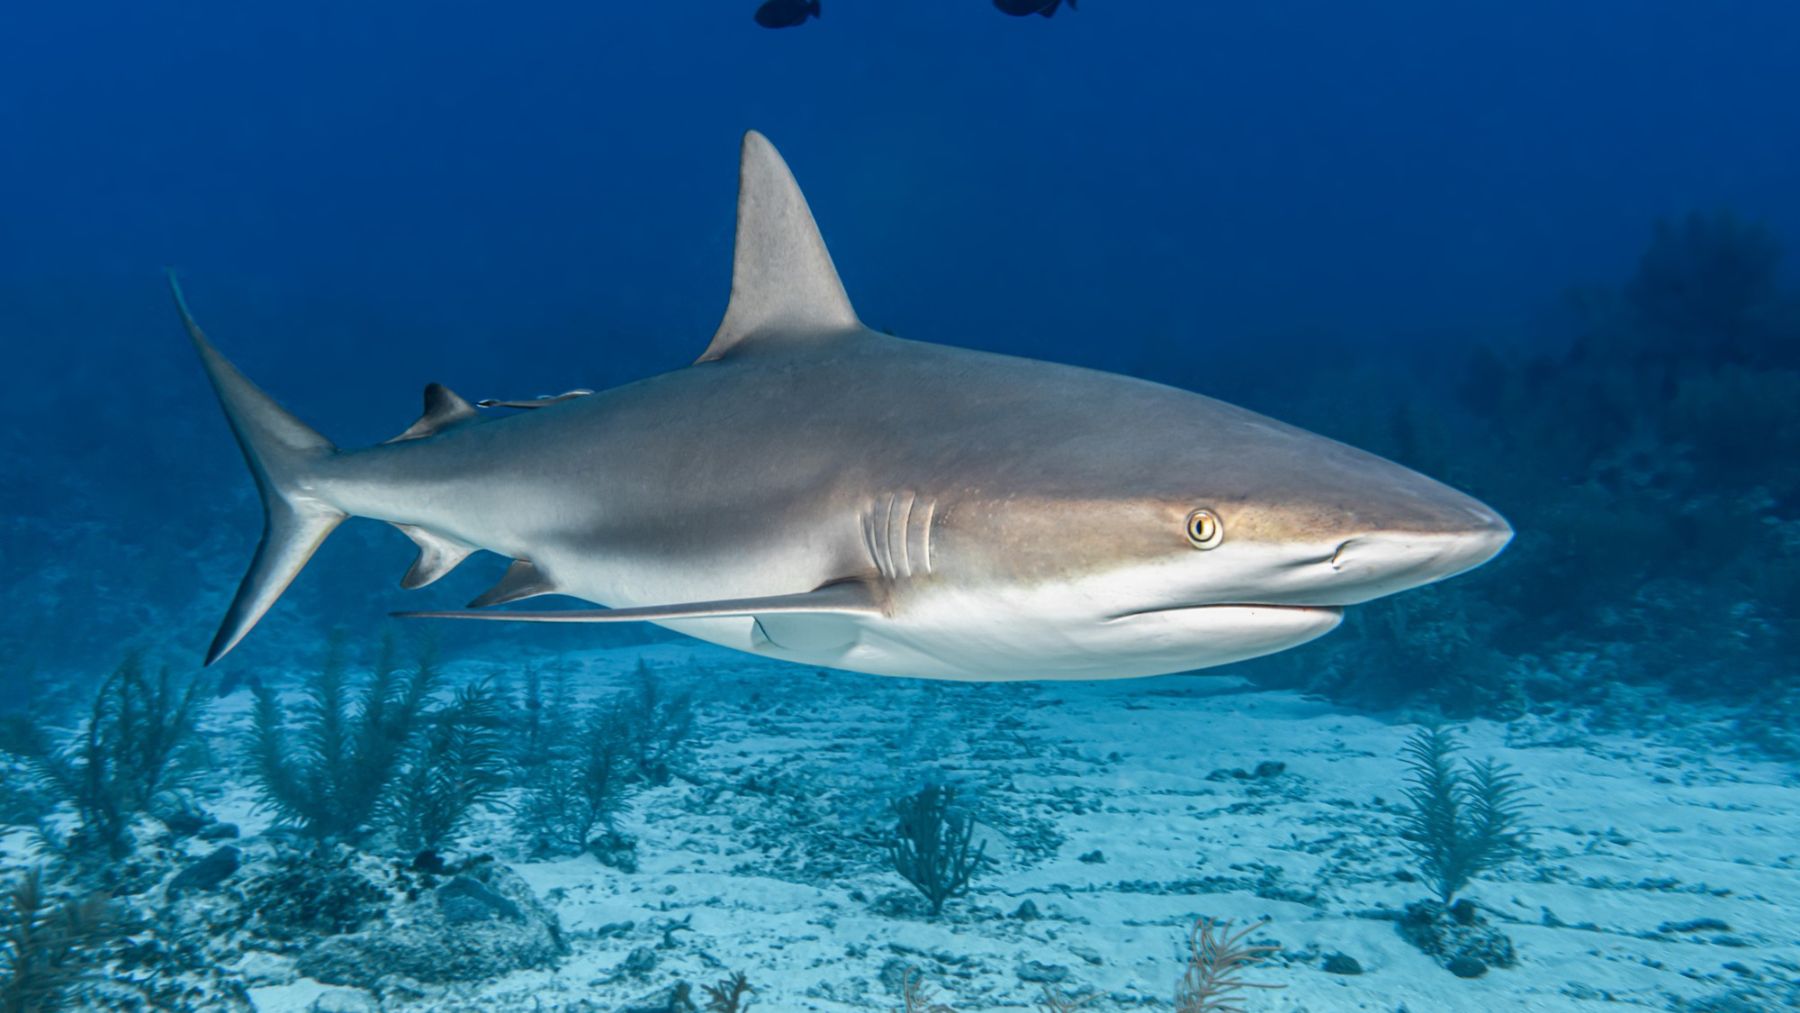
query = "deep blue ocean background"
{"x": 1532, "y": 249}
{"x": 1256, "y": 201}
{"x": 1401, "y": 224}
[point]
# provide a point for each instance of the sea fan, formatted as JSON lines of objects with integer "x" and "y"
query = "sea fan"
{"x": 1217, "y": 958}
{"x": 1055, "y": 1002}
{"x": 728, "y": 995}
{"x": 917, "y": 996}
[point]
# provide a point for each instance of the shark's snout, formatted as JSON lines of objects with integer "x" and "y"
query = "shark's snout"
{"x": 1410, "y": 530}
{"x": 1381, "y": 563}
{"x": 1404, "y": 533}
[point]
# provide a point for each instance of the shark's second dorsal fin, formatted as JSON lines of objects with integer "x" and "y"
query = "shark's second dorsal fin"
{"x": 783, "y": 283}
{"x": 443, "y": 408}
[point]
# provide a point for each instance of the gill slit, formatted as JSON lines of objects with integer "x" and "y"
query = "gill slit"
{"x": 868, "y": 533}
{"x": 925, "y": 532}
{"x": 897, "y": 541}
{"x": 882, "y": 538}
{"x": 896, "y": 531}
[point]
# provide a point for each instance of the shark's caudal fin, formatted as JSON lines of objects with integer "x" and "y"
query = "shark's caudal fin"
{"x": 782, "y": 279}
{"x": 282, "y": 453}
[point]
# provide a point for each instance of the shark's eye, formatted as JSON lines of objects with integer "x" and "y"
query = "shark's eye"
{"x": 1204, "y": 529}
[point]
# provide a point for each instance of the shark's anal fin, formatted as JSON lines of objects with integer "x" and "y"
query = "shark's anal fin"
{"x": 438, "y": 555}
{"x": 444, "y": 408}
{"x": 783, "y": 284}
{"x": 846, "y": 598}
{"x": 536, "y": 402}
{"x": 521, "y": 580}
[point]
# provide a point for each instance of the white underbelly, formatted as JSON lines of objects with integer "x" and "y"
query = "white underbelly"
{"x": 1048, "y": 634}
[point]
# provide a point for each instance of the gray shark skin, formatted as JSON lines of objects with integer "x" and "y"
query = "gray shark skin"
{"x": 813, "y": 490}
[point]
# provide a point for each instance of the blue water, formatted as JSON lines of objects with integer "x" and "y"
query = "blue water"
{"x": 1532, "y": 249}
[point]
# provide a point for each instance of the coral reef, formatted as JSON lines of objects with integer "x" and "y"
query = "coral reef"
{"x": 1648, "y": 452}
{"x": 480, "y": 923}
{"x": 1457, "y": 936}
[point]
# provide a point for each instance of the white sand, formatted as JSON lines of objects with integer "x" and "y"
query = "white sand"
{"x": 763, "y": 855}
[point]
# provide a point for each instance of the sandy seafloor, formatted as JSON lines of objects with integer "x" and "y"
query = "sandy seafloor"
{"x": 763, "y": 856}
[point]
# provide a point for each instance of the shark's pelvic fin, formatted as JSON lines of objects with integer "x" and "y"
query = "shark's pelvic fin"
{"x": 783, "y": 284}
{"x": 521, "y": 580}
{"x": 282, "y": 453}
{"x": 848, "y": 598}
{"x": 443, "y": 408}
{"x": 438, "y": 555}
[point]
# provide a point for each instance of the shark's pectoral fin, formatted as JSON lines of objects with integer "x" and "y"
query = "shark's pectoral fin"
{"x": 846, "y": 598}
{"x": 438, "y": 555}
{"x": 444, "y": 408}
{"x": 521, "y": 580}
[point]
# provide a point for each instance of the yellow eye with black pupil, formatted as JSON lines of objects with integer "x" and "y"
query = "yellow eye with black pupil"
{"x": 1204, "y": 529}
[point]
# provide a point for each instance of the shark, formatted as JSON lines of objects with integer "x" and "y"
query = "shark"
{"x": 813, "y": 490}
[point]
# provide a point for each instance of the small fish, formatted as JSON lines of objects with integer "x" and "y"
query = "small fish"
{"x": 1021, "y": 8}
{"x": 786, "y": 13}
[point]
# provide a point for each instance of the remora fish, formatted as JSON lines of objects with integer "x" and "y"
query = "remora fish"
{"x": 813, "y": 490}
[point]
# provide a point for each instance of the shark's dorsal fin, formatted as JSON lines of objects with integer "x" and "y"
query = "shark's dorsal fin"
{"x": 443, "y": 408}
{"x": 521, "y": 580}
{"x": 438, "y": 555}
{"x": 783, "y": 283}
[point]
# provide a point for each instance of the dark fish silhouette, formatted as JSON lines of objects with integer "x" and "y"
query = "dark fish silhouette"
{"x": 1020, "y": 8}
{"x": 786, "y": 13}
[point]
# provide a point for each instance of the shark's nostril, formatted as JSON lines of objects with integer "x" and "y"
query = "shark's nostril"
{"x": 1337, "y": 558}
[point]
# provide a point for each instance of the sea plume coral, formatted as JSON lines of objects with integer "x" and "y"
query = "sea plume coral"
{"x": 46, "y": 948}
{"x": 1217, "y": 959}
{"x": 931, "y": 846}
{"x": 125, "y": 755}
{"x": 459, "y": 765}
{"x": 332, "y": 772}
{"x": 579, "y": 776}
{"x": 1462, "y": 820}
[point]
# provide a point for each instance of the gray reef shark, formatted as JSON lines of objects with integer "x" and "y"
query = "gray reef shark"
{"x": 813, "y": 490}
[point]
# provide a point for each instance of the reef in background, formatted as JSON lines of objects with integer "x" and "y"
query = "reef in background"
{"x": 1652, "y": 470}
